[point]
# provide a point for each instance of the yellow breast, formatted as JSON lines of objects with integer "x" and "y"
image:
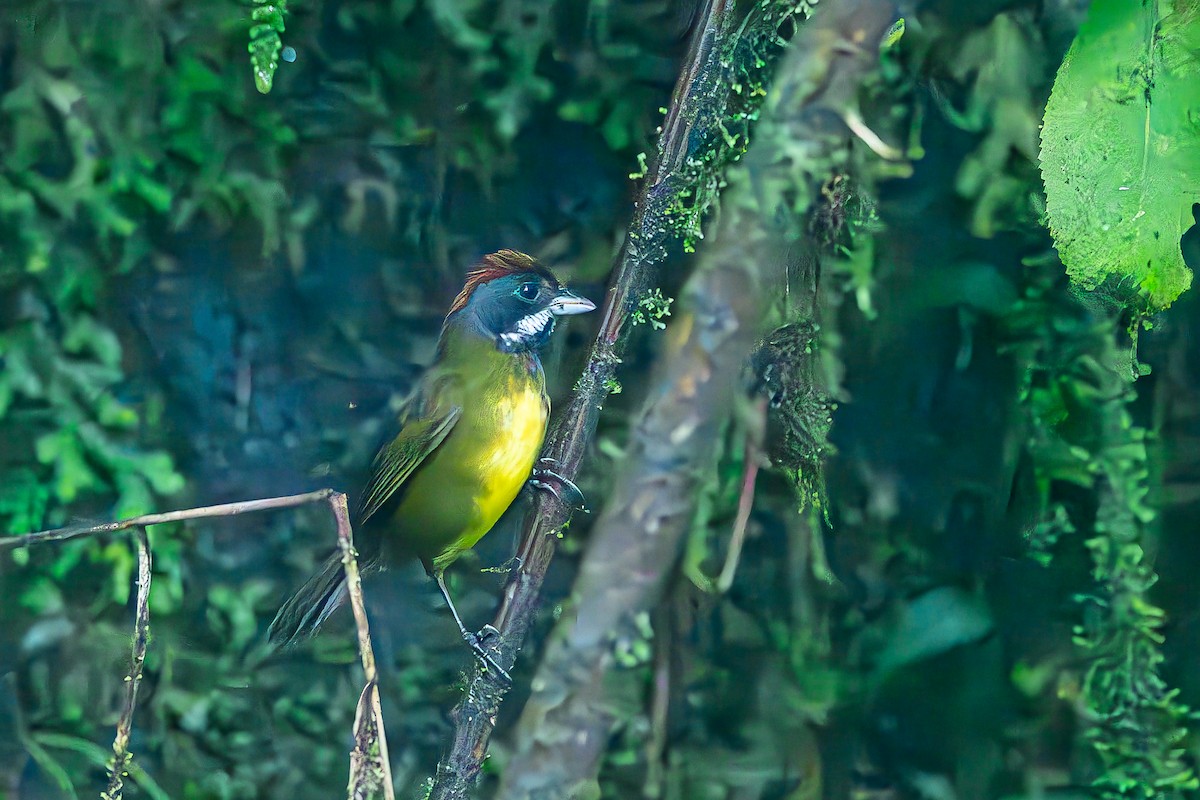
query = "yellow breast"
{"x": 462, "y": 488}
{"x": 505, "y": 463}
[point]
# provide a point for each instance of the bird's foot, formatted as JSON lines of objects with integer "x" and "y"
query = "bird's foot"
{"x": 545, "y": 478}
{"x": 475, "y": 642}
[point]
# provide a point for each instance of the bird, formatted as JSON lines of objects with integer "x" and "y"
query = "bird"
{"x": 470, "y": 434}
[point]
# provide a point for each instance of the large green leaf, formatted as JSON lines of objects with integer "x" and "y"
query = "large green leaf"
{"x": 1121, "y": 149}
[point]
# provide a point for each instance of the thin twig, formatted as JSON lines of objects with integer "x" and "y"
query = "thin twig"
{"x": 750, "y": 458}
{"x": 660, "y": 702}
{"x": 119, "y": 765}
{"x": 370, "y": 768}
{"x": 222, "y": 510}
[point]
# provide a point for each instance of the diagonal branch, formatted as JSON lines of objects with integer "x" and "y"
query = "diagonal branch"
{"x": 695, "y": 114}
{"x": 637, "y": 540}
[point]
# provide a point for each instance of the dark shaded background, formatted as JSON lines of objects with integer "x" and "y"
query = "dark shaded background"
{"x": 208, "y": 294}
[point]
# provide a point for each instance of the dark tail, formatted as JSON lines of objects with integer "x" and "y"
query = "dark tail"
{"x": 311, "y": 605}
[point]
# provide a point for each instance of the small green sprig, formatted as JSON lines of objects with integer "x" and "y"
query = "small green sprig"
{"x": 265, "y": 45}
{"x": 651, "y": 309}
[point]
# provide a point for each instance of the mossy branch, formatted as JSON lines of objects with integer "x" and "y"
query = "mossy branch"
{"x": 691, "y": 135}
{"x": 637, "y": 541}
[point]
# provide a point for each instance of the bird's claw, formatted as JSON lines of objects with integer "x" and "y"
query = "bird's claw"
{"x": 475, "y": 642}
{"x": 563, "y": 489}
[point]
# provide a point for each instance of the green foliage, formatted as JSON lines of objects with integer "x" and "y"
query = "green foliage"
{"x": 651, "y": 309}
{"x": 1002, "y": 64}
{"x": 1121, "y": 150}
{"x": 86, "y": 183}
{"x": 1079, "y": 396}
{"x": 930, "y": 625}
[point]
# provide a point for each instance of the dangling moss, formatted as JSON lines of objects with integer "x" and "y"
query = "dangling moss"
{"x": 800, "y": 409}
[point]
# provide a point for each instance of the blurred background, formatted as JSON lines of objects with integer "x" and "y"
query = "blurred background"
{"x": 209, "y": 294}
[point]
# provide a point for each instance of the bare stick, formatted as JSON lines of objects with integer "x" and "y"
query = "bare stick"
{"x": 223, "y": 510}
{"x": 751, "y": 455}
{"x": 370, "y": 769}
{"x": 660, "y": 702}
{"x": 119, "y": 765}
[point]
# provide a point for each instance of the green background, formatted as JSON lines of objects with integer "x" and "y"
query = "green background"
{"x": 210, "y": 294}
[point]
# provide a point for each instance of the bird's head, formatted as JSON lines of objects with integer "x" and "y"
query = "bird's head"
{"x": 514, "y": 300}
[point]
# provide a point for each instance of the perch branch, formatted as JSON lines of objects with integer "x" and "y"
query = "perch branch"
{"x": 696, "y": 104}
{"x": 565, "y": 725}
{"x": 119, "y": 765}
{"x": 636, "y": 542}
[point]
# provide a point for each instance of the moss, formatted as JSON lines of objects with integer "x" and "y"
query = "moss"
{"x": 800, "y": 411}
{"x": 1079, "y": 395}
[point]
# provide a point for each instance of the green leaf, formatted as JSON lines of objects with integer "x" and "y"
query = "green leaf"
{"x": 134, "y": 498}
{"x": 42, "y": 596}
{"x": 158, "y": 468}
{"x": 71, "y": 471}
{"x": 86, "y": 335}
{"x": 1121, "y": 150}
{"x": 23, "y": 500}
{"x": 937, "y": 621}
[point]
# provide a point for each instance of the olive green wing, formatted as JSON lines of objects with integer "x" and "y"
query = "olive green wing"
{"x": 426, "y": 424}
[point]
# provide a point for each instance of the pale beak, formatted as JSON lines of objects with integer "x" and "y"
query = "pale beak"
{"x": 566, "y": 303}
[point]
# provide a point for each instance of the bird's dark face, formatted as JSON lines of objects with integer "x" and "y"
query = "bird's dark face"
{"x": 518, "y": 309}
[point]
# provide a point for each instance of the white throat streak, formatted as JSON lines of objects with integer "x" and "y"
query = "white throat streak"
{"x": 528, "y": 327}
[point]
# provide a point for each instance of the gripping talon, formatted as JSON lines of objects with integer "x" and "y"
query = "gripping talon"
{"x": 550, "y": 481}
{"x": 473, "y": 641}
{"x": 547, "y": 487}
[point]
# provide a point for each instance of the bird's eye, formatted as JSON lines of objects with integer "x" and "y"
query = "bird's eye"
{"x": 528, "y": 291}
